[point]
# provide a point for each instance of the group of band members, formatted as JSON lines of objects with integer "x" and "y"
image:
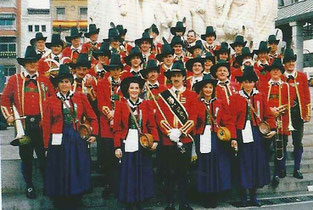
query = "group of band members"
{"x": 173, "y": 98}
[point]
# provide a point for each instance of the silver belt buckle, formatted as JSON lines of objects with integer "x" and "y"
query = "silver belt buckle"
{"x": 32, "y": 119}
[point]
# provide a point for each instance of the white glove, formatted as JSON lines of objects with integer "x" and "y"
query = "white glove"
{"x": 175, "y": 134}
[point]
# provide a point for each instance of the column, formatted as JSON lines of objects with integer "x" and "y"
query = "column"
{"x": 297, "y": 41}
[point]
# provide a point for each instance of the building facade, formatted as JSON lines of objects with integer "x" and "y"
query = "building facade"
{"x": 10, "y": 33}
{"x": 295, "y": 19}
{"x": 36, "y": 18}
{"x": 68, "y": 13}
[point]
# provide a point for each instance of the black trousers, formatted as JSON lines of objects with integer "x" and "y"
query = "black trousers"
{"x": 297, "y": 136}
{"x": 107, "y": 162}
{"x": 176, "y": 171}
{"x": 33, "y": 131}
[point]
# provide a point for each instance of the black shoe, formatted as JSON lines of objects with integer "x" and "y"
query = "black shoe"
{"x": 297, "y": 174}
{"x": 255, "y": 202}
{"x": 275, "y": 181}
{"x": 105, "y": 194}
{"x": 282, "y": 173}
{"x": 185, "y": 206}
{"x": 170, "y": 206}
{"x": 30, "y": 193}
{"x": 243, "y": 203}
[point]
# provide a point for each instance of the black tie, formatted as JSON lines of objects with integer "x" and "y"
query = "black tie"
{"x": 153, "y": 86}
{"x": 31, "y": 79}
{"x": 56, "y": 58}
{"x": 176, "y": 92}
{"x": 290, "y": 77}
{"x": 75, "y": 51}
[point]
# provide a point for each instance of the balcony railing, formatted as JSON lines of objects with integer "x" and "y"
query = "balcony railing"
{"x": 7, "y": 54}
{"x": 8, "y": 27}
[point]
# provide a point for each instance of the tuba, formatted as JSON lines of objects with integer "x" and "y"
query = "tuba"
{"x": 20, "y": 138}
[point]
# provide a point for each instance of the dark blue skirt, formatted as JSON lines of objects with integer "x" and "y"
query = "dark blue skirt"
{"x": 136, "y": 176}
{"x": 254, "y": 170}
{"x": 68, "y": 165}
{"x": 214, "y": 171}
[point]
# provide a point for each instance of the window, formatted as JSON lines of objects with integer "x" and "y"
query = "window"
{"x": 7, "y": 47}
{"x": 36, "y": 28}
{"x": 30, "y": 28}
{"x": 83, "y": 13}
{"x": 307, "y": 31}
{"x": 7, "y": 22}
{"x": 43, "y": 28}
{"x": 9, "y": 70}
{"x": 60, "y": 13}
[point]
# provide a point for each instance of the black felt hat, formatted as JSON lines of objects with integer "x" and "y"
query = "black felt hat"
{"x": 73, "y": 35}
{"x": 248, "y": 74}
{"x": 151, "y": 65}
{"x": 115, "y": 62}
{"x": 208, "y": 32}
{"x": 122, "y": 31}
{"x": 104, "y": 50}
{"x": 135, "y": 51}
{"x": 219, "y": 64}
{"x": 55, "y": 41}
{"x": 289, "y": 55}
{"x": 30, "y": 56}
{"x": 191, "y": 61}
{"x": 92, "y": 30}
{"x": 177, "y": 40}
{"x": 64, "y": 72}
{"x": 177, "y": 67}
{"x": 209, "y": 56}
{"x": 272, "y": 39}
{"x": 198, "y": 45}
{"x": 38, "y": 36}
{"x": 245, "y": 52}
{"x": 83, "y": 60}
{"x": 277, "y": 64}
{"x": 113, "y": 34}
{"x": 127, "y": 81}
{"x": 239, "y": 40}
{"x": 165, "y": 51}
{"x": 262, "y": 48}
{"x": 145, "y": 37}
{"x": 224, "y": 48}
{"x": 178, "y": 28}
{"x": 199, "y": 85}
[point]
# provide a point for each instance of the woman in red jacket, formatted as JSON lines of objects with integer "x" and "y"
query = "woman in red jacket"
{"x": 251, "y": 109}
{"x": 68, "y": 160}
{"x": 136, "y": 176}
{"x": 214, "y": 164}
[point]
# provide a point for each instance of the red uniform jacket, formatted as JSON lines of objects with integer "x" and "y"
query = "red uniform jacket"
{"x": 215, "y": 48}
{"x": 162, "y": 78}
{"x": 157, "y": 48}
{"x": 189, "y": 100}
{"x": 27, "y": 102}
{"x": 276, "y": 97}
{"x": 53, "y": 117}
{"x": 104, "y": 100}
{"x": 73, "y": 55}
{"x": 263, "y": 75}
{"x": 223, "y": 93}
{"x": 222, "y": 116}
{"x": 300, "y": 89}
{"x": 260, "y": 105}
{"x": 43, "y": 66}
{"x": 121, "y": 124}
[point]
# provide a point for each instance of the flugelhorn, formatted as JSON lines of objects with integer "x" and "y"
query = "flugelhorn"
{"x": 290, "y": 127}
{"x": 20, "y": 138}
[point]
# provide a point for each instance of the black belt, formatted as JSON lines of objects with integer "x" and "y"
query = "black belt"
{"x": 33, "y": 119}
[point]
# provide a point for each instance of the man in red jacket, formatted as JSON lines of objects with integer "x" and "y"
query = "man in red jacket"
{"x": 73, "y": 51}
{"x": 27, "y": 91}
{"x": 176, "y": 122}
{"x": 301, "y": 109}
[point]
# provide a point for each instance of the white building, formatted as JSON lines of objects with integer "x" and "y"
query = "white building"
{"x": 36, "y": 17}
